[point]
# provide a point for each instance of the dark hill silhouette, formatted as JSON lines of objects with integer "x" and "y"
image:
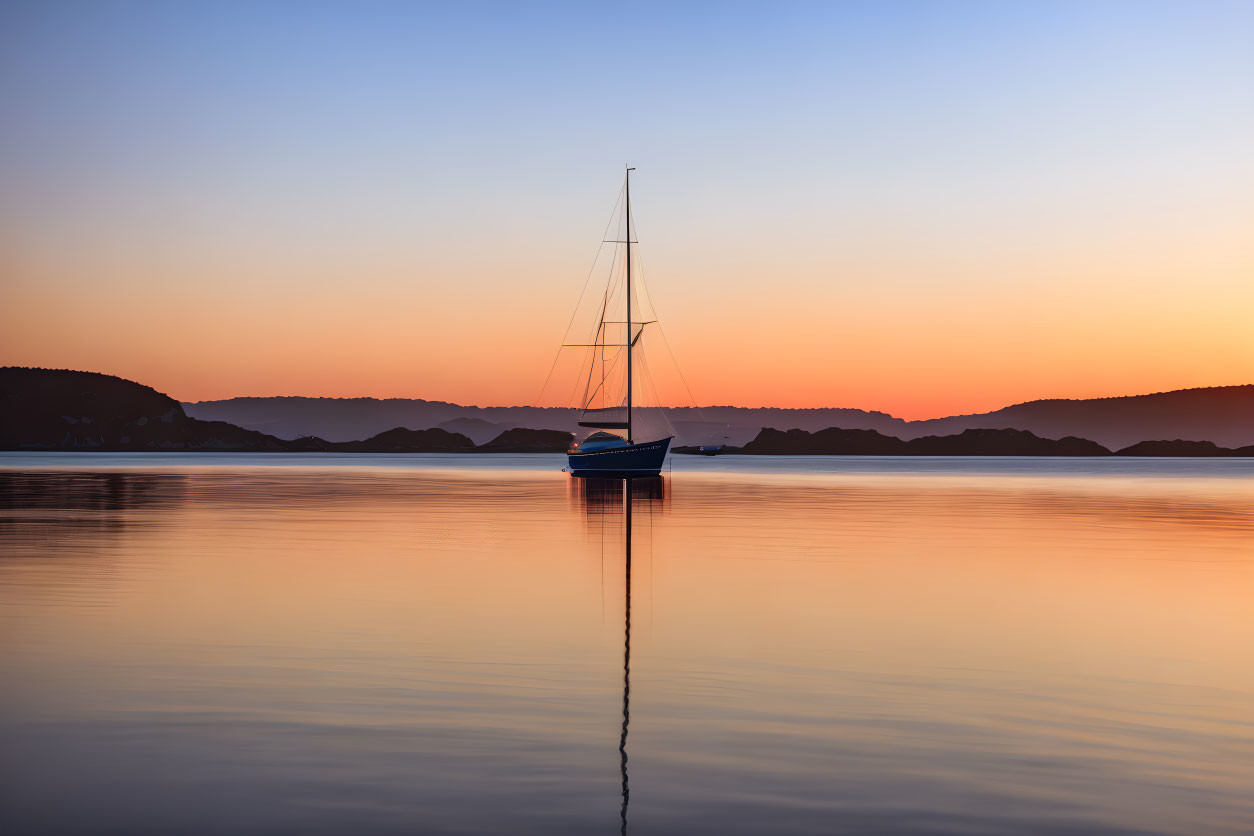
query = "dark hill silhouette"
{"x": 519, "y": 440}
{"x": 983, "y": 442}
{"x": 401, "y": 440}
{"x": 58, "y": 409}
{"x": 45, "y": 408}
{"x": 1221, "y": 414}
{"x": 831, "y": 441}
{"x": 1224, "y": 415}
{"x": 1002, "y": 442}
{"x": 1182, "y": 448}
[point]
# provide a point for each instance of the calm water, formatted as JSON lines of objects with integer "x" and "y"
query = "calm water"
{"x": 427, "y": 644}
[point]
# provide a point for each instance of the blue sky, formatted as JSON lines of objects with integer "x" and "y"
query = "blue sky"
{"x": 822, "y": 150}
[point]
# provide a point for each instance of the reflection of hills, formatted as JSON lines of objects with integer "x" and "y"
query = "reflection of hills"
{"x": 110, "y": 491}
{"x": 58, "y": 508}
{"x": 67, "y": 528}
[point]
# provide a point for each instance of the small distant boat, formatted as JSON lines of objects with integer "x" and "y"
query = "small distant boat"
{"x": 710, "y": 449}
{"x": 605, "y": 453}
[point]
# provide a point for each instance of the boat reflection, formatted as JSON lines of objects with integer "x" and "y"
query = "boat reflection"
{"x": 605, "y": 496}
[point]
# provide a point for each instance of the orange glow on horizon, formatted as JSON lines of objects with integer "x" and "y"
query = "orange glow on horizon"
{"x": 948, "y": 326}
{"x": 925, "y": 363}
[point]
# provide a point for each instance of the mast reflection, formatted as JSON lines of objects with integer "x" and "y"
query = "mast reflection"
{"x": 622, "y": 738}
{"x": 602, "y": 500}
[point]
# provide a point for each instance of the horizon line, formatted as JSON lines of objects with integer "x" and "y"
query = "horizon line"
{"x": 719, "y": 406}
{"x": 673, "y": 406}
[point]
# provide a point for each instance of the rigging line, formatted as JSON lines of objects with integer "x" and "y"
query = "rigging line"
{"x": 615, "y": 218}
{"x": 667, "y": 343}
{"x": 605, "y": 298}
{"x": 584, "y": 290}
{"x": 592, "y": 361}
{"x": 591, "y": 357}
{"x": 592, "y": 364}
{"x": 642, "y": 285}
{"x": 613, "y": 365}
{"x": 570, "y": 400}
{"x": 614, "y": 213}
{"x": 569, "y": 325}
{"x": 589, "y": 391}
{"x": 657, "y": 397}
{"x": 605, "y": 301}
{"x": 612, "y": 282}
{"x": 617, "y": 273}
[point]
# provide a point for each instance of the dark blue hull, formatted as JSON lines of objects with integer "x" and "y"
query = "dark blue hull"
{"x": 634, "y": 460}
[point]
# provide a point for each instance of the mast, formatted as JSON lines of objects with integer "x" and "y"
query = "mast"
{"x": 629, "y": 339}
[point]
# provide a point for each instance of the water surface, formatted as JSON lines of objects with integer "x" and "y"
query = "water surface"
{"x": 436, "y": 644}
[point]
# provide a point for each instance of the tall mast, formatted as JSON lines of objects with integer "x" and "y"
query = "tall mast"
{"x": 629, "y": 339}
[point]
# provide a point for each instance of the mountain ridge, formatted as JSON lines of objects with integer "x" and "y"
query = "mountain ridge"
{"x": 1220, "y": 414}
{"x": 59, "y": 409}
{"x": 835, "y": 441}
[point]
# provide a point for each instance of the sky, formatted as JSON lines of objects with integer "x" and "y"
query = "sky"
{"x": 923, "y": 208}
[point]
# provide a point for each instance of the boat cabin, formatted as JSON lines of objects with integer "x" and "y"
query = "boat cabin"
{"x": 601, "y": 441}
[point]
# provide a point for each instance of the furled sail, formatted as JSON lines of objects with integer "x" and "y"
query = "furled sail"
{"x": 606, "y": 418}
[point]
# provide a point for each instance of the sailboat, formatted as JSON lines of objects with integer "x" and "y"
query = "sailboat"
{"x": 608, "y": 453}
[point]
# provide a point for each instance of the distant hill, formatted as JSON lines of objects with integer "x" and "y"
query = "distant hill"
{"x": 346, "y": 419}
{"x": 401, "y": 440}
{"x": 476, "y": 429}
{"x": 1183, "y": 448}
{"x": 1004, "y": 442}
{"x": 834, "y": 441}
{"x": 1223, "y": 415}
{"x": 58, "y": 409}
{"x": 519, "y": 440}
{"x": 343, "y": 419}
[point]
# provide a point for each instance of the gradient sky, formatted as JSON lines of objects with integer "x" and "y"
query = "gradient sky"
{"x": 924, "y": 208}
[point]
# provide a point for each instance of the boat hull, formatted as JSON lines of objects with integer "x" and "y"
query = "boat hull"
{"x": 633, "y": 460}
